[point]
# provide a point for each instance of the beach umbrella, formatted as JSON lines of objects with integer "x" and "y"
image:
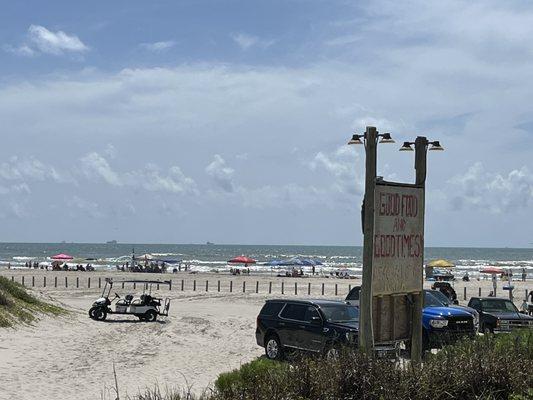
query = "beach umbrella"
{"x": 242, "y": 260}
{"x": 274, "y": 263}
{"x": 492, "y": 270}
{"x": 441, "y": 263}
{"x": 62, "y": 257}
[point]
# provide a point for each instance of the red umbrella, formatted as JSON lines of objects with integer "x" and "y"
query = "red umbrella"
{"x": 492, "y": 270}
{"x": 242, "y": 260}
{"x": 62, "y": 257}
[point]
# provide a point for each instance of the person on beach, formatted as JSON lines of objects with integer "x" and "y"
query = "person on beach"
{"x": 524, "y": 274}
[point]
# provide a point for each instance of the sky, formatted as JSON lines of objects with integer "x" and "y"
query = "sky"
{"x": 227, "y": 121}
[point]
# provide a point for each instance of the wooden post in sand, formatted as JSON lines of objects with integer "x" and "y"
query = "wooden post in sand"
{"x": 309, "y": 288}
{"x": 194, "y": 285}
{"x": 230, "y": 286}
{"x": 22, "y": 280}
{"x": 464, "y": 293}
{"x": 77, "y": 282}
{"x": 296, "y": 288}
{"x": 44, "y": 281}
{"x": 207, "y": 286}
{"x": 33, "y": 281}
{"x": 269, "y": 287}
{"x": 170, "y": 284}
{"x": 282, "y": 287}
{"x": 122, "y": 285}
{"x": 134, "y": 285}
{"x": 479, "y": 292}
{"x": 66, "y": 281}
{"x": 218, "y": 286}
{"x": 89, "y": 282}
{"x": 99, "y": 282}
{"x": 55, "y": 281}
{"x": 336, "y": 290}
{"x": 182, "y": 285}
{"x": 322, "y": 288}
{"x": 244, "y": 286}
{"x": 257, "y": 287}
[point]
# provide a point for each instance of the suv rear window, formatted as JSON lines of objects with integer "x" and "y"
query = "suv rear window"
{"x": 294, "y": 311}
{"x": 271, "y": 308}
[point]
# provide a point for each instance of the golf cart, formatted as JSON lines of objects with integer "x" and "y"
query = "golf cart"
{"x": 146, "y": 307}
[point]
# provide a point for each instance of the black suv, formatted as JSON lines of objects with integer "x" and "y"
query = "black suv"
{"x": 499, "y": 315}
{"x": 319, "y": 326}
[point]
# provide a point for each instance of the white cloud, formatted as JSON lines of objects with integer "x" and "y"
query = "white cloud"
{"x": 96, "y": 166}
{"x": 22, "y": 50}
{"x": 158, "y": 47}
{"x": 22, "y": 168}
{"x": 246, "y": 41}
{"x": 221, "y": 174}
{"x": 494, "y": 192}
{"x": 54, "y": 42}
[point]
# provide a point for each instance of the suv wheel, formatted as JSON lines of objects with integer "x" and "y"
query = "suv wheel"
{"x": 273, "y": 349}
{"x": 487, "y": 330}
{"x": 332, "y": 353}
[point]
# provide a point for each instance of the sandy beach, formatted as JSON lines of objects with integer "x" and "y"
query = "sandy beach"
{"x": 207, "y": 332}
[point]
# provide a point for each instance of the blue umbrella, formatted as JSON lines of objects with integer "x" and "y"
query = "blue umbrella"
{"x": 274, "y": 263}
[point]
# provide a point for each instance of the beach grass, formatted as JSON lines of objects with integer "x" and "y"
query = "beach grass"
{"x": 19, "y": 306}
{"x": 486, "y": 368}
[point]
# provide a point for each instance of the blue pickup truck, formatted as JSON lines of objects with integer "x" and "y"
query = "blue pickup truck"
{"x": 441, "y": 323}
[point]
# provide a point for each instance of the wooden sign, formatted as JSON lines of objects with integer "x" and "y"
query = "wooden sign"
{"x": 398, "y": 245}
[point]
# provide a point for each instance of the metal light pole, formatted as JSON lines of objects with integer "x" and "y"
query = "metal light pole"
{"x": 371, "y": 136}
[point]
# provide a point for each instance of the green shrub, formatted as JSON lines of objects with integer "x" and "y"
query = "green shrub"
{"x": 248, "y": 377}
{"x": 16, "y": 304}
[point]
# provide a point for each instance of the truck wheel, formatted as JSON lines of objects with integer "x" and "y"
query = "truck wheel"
{"x": 100, "y": 314}
{"x": 150, "y": 316}
{"x": 487, "y": 330}
{"x": 273, "y": 349}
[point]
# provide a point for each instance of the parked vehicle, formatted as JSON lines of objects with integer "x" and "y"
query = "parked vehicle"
{"x": 446, "y": 301}
{"x": 318, "y": 326}
{"x": 441, "y": 323}
{"x": 499, "y": 315}
{"x": 145, "y": 307}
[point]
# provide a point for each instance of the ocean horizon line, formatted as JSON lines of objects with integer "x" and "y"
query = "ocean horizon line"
{"x": 251, "y": 245}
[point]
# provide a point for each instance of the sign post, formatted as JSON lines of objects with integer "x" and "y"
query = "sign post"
{"x": 392, "y": 294}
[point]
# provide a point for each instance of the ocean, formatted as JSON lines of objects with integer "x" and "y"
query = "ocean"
{"x": 210, "y": 258}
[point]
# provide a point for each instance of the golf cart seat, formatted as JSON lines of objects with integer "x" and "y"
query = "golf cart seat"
{"x": 126, "y": 301}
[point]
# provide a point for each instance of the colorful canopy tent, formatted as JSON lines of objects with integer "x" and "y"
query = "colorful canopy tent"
{"x": 242, "y": 260}
{"x": 62, "y": 257}
{"x": 274, "y": 263}
{"x": 300, "y": 261}
{"x": 492, "y": 270}
{"x": 441, "y": 263}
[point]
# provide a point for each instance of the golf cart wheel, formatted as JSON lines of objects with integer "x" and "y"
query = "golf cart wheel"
{"x": 150, "y": 316}
{"x": 100, "y": 314}
{"x": 273, "y": 349}
{"x": 91, "y": 312}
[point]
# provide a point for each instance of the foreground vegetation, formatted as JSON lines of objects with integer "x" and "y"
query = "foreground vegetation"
{"x": 17, "y": 305}
{"x": 488, "y": 367}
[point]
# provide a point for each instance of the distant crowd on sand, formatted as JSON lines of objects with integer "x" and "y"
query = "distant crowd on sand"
{"x": 56, "y": 266}
{"x": 154, "y": 267}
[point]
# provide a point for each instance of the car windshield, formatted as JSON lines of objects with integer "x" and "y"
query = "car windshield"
{"x": 432, "y": 301}
{"x": 441, "y": 297}
{"x": 340, "y": 313}
{"x": 498, "y": 305}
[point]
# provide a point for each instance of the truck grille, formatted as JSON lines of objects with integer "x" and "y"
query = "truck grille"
{"x": 515, "y": 324}
{"x": 460, "y": 324}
